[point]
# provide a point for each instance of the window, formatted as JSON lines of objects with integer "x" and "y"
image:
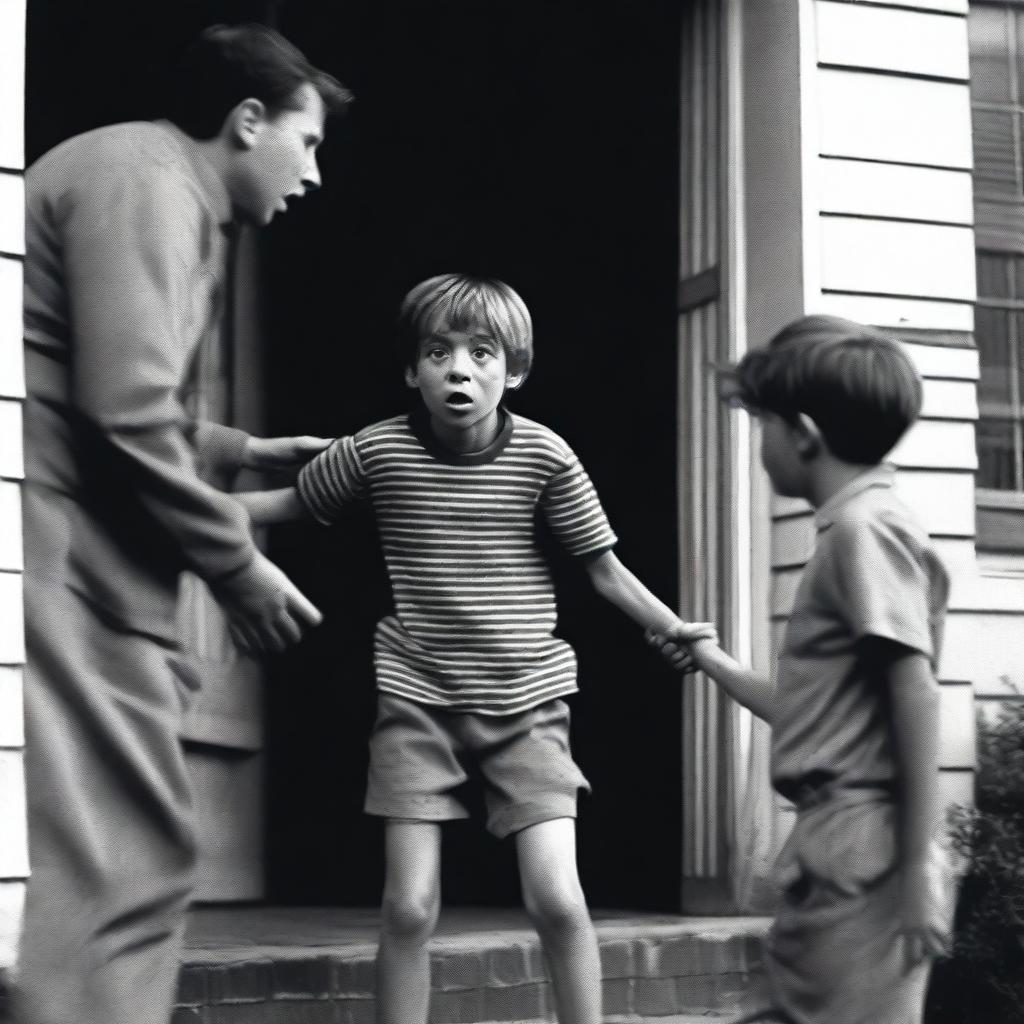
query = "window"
{"x": 996, "y": 32}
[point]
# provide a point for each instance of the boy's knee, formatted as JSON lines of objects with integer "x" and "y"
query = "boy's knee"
{"x": 410, "y": 915}
{"x": 557, "y": 909}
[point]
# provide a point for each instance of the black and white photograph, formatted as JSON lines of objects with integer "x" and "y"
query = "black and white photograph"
{"x": 512, "y": 512}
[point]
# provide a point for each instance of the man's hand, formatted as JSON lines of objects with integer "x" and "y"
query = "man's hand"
{"x": 924, "y": 927}
{"x": 281, "y": 452}
{"x": 265, "y": 610}
{"x": 675, "y": 646}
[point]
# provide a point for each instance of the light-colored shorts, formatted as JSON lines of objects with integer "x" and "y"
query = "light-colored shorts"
{"x": 421, "y": 758}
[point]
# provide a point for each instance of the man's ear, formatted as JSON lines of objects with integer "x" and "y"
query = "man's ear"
{"x": 411, "y": 380}
{"x": 807, "y": 434}
{"x": 245, "y": 122}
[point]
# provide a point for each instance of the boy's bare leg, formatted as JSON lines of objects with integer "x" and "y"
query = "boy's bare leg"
{"x": 409, "y": 910}
{"x": 554, "y": 900}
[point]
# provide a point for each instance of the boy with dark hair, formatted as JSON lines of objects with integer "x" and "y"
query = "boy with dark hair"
{"x": 127, "y": 230}
{"x": 469, "y": 674}
{"x": 854, "y": 708}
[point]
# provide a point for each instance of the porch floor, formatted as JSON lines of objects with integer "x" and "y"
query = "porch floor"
{"x": 314, "y": 965}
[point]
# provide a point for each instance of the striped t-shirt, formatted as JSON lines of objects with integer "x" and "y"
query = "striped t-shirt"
{"x": 474, "y": 601}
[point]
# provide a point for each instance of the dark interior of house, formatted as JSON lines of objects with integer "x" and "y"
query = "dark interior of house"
{"x": 532, "y": 141}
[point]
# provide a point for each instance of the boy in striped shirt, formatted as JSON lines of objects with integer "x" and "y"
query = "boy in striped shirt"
{"x": 469, "y": 673}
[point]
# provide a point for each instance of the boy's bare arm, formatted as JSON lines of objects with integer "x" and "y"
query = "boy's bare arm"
{"x": 914, "y": 695}
{"x": 615, "y": 583}
{"x": 278, "y": 506}
{"x": 750, "y": 688}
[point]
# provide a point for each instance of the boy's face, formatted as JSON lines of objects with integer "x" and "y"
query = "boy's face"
{"x": 462, "y": 377}
{"x": 781, "y": 457}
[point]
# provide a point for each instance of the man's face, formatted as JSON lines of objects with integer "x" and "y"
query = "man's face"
{"x": 281, "y": 163}
{"x": 462, "y": 377}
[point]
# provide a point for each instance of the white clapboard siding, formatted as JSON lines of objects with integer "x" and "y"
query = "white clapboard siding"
{"x": 958, "y": 556}
{"x": 12, "y": 902}
{"x": 937, "y": 444}
{"x": 957, "y": 731}
{"x": 12, "y": 213}
{"x": 792, "y": 540}
{"x": 783, "y": 589}
{"x": 10, "y": 527}
{"x": 12, "y": 374}
{"x": 956, "y": 787}
{"x": 12, "y": 464}
{"x": 781, "y": 506}
{"x": 13, "y": 835}
{"x": 895, "y": 190}
{"x": 985, "y": 648}
{"x": 904, "y": 120}
{"x": 943, "y": 362}
{"x": 886, "y": 39}
{"x": 949, "y": 400}
{"x": 943, "y": 502}
{"x": 12, "y": 621}
{"x": 12, "y": 83}
{"x": 883, "y": 311}
{"x": 897, "y": 258}
{"x": 949, "y": 6}
{"x": 12, "y": 731}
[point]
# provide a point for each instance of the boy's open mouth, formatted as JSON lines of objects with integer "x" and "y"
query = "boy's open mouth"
{"x": 458, "y": 399}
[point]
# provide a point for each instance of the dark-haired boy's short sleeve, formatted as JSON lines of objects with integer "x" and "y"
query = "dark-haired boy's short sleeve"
{"x": 574, "y": 512}
{"x": 332, "y": 480}
{"x": 884, "y": 581}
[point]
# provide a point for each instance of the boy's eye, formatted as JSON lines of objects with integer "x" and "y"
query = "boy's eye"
{"x": 481, "y": 353}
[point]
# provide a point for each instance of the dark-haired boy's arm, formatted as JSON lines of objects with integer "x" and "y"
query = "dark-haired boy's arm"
{"x": 914, "y": 698}
{"x": 282, "y": 505}
{"x": 749, "y": 688}
{"x": 616, "y": 584}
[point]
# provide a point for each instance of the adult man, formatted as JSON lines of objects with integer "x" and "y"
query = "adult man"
{"x": 127, "y": 233}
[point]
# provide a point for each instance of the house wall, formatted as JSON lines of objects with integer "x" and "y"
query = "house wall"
{"x": 887, "y": 234}
{"x": 13, "y": 834}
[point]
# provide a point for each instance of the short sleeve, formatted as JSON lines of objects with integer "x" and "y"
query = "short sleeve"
{"x": 574, "y": 512}
{"x": 332, "y": 480}
{"x": 884, "y": 585}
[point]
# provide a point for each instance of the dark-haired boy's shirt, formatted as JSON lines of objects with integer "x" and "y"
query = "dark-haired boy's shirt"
{"x": 474, "y": 599}
{"x": 874, "y": 573}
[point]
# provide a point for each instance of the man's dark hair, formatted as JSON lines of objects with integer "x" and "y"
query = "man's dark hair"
{"x": 231, "y": 63}
{"x": 857, "y": 384}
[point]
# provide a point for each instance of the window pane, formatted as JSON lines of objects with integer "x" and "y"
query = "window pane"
{"x": 995, "y": 166}
{"x": 991, "y": 330}
{"x": 996, "y": 462}
{"x": 990, "y": 54}
{"x": 994, "y": 276}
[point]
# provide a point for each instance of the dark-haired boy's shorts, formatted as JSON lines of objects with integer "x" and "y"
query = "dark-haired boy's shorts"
{"x": 422, "y": 757}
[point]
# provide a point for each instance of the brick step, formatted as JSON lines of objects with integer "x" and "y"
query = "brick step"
{"x": 315, "y": 966}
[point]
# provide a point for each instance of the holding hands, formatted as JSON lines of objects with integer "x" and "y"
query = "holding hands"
{"x": 679, "y": 644}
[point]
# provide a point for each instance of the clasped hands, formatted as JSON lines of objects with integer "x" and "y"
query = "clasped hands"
{"x": 676, "y": 644}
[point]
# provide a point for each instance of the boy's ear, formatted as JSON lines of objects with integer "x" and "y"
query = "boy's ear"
{"x": 513, "y": 380}
{"x": 245, "y": 122}
{"x": 411, "y": 380}
{"x": 809, "y": 441}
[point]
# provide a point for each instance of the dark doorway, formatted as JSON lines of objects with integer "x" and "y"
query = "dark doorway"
{"x": 537, "y": 142}
{"x": 533, "y": 140}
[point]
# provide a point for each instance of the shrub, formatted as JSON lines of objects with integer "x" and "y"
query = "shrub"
{"x": 983, "y": 981}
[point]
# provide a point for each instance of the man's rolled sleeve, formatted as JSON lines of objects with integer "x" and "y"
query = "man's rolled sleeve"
{"x": 332, "y": 480}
